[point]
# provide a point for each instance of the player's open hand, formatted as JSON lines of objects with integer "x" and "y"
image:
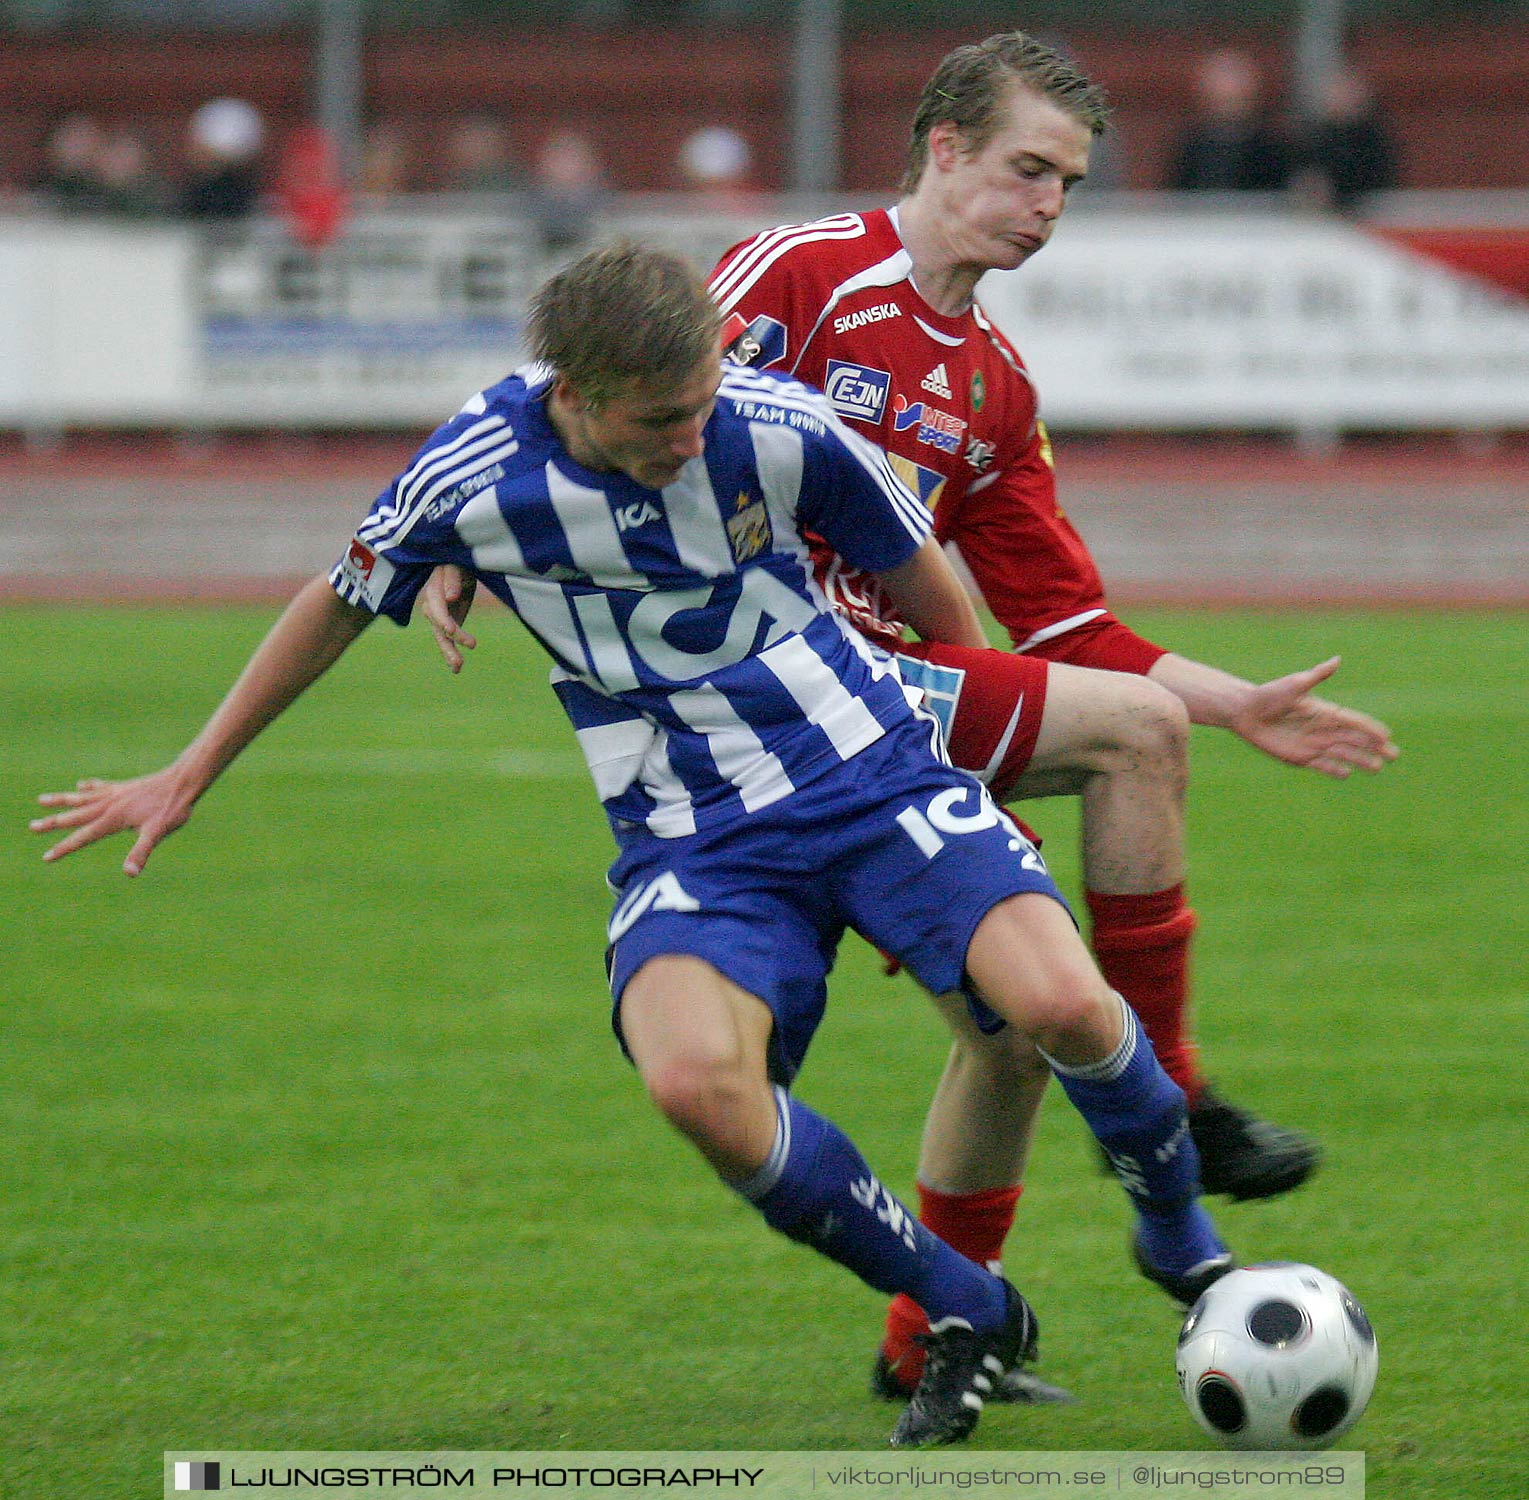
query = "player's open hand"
{"x": 153, "y": 806}
{"x": 445, "y": 601}
{"x": 1284, "y": 720}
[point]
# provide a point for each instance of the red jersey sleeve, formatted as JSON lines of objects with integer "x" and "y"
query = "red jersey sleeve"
{"x": 776, "y": 290}
{"x": 1034, "y": 571}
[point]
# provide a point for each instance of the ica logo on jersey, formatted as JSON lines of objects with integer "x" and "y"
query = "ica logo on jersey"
{"x": 857, "y": 391}
{"x": 639, "y": 513}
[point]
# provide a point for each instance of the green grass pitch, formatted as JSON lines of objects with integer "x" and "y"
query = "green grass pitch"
{"x": 315, "y": 1136}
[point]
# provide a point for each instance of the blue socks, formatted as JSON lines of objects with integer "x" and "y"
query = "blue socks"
{"x": 815, "y": 1188}
{"x": 1136, "y": 1112}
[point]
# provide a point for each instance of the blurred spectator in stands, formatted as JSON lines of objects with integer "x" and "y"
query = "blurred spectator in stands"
{"x": 386, "y": 167}
{"x": 1348, "y": 150}
{"x": 130, "y": 187}
{"x": 310, "y": 187}
{"x": 716, "y": 166}
{"x": 1230, "y": 144}
{"x": 223, "y": 145}
{"x": 479, "y": 158}
{"x": 567, "y": 192}
{"x": 70, "y": 177}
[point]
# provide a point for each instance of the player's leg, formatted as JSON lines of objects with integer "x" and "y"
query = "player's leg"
{"x": 1006, "y": 717}
{"x": 1028, "y": 963}
{"x": 708, "y": 1048}
{"x": 977, "y": 1133}
{"x": 1120, "y": 743}
{"x": 971, "y": 1167}
{"x": 955, "y": 892}
{"x": 963, "y": 899}
{"x": 700, "y": 1044}
{"x": 1117, "y": 741}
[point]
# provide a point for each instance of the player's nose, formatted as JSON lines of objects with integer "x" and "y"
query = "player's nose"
{"x": 688, "y": 442}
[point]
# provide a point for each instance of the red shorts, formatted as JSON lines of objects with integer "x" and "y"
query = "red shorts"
{"x": 989, "y": 701}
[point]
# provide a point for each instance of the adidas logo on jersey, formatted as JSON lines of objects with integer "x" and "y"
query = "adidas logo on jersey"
{"x": 937, "y": 382}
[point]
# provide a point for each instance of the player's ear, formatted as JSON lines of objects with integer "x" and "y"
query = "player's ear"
{"x": 570, "y": 395}
{"x": 947, "y": 144}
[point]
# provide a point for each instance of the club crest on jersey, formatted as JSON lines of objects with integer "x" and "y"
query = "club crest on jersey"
{"x": 857, "y": 391}
{"x": 937, "y": 382}
{"x": 760, "y": 344}
{"x": 979, "y": 454}
{"x": 979, "y": 390}
{"x": 748, "y": 528}
{"x": 937, "y": 428}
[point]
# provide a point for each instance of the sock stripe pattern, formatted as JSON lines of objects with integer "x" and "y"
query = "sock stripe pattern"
{"x": 754, "y": 1188}
{"x": 1107, "y": 1069}
{"x": 1137, "y": 1113}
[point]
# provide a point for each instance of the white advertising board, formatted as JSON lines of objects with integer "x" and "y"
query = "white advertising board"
{"x": 1268, "y": 323}
{"x": 1128, "y": 320}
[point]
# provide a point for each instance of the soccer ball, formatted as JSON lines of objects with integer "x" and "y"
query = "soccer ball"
{"x": 1278, "y": 1355}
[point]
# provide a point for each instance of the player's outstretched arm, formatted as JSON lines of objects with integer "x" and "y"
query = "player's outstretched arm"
{"x": 311, "y": 635}
{"x": 445, "y": 600}
{"x": 1282, "y": 718}
{"x": 930, "y": 597}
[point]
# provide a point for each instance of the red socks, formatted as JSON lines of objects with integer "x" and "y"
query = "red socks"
{"x": 1142, "y": 944}
{"x": 976, "y": 1224}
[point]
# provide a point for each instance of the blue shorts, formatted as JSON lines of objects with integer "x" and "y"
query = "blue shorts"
{"x": 906, "y": 850}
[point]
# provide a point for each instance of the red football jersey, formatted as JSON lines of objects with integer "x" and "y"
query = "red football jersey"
{"x": 833, "y": 303}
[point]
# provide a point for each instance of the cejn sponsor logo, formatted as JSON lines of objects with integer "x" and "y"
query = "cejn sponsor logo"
{"x": 877, "y": 314}
{"x": 857, "y": 391}
{"x": 937, "y": 428}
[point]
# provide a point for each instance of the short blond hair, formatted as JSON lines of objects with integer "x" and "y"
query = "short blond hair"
{"x": 624, "y": 315}
{"x": 971, "y": 84}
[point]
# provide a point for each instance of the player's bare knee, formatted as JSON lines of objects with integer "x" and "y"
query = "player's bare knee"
{"x": 1075, "y": 1013}
{"x": 697, "y": 1094}
{"x": 1153, "y": 725}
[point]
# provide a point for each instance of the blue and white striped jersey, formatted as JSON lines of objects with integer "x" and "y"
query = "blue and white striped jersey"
{"x": 703, "y": 670}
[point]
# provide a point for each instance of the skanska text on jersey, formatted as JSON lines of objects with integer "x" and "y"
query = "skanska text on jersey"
{"x": 877, "y": 314}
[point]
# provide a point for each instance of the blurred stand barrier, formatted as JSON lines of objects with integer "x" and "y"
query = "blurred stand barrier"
{"x": 1147, "y": 313}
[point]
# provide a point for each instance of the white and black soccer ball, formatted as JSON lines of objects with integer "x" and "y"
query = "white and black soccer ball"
{"x": 1278, "y": 1355}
